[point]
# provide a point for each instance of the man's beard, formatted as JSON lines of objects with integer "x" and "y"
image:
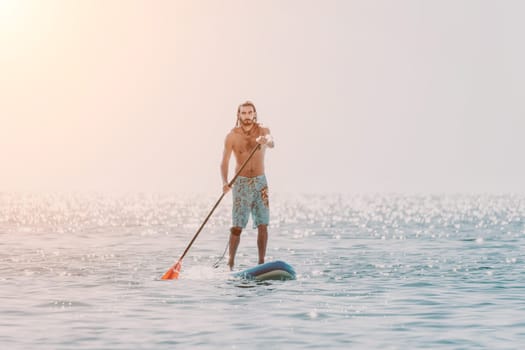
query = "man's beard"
{"x": 247, "y": 122}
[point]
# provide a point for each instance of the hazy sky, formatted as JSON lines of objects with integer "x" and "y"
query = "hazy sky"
{"x": 361, "y": 96}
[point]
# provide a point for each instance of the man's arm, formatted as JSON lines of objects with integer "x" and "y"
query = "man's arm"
{"x": 225, "y": 164}
{"x": 268, "y": 141}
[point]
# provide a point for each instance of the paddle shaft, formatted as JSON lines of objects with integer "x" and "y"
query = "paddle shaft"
{"x": 230, "y": 184}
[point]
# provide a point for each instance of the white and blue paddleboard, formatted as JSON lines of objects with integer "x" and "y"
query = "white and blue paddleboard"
{"x": 274, "y": 270}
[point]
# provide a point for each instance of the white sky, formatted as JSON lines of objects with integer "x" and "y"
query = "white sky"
{"x": 361, "y": 96}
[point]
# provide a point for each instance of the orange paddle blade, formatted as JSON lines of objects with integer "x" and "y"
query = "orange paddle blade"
{"x": 173, "y": 272}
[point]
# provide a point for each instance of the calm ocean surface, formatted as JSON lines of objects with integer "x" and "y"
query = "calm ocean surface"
{"x": 374, "y": 272}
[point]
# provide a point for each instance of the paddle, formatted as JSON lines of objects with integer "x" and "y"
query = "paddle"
{"x": 173, "y": 272}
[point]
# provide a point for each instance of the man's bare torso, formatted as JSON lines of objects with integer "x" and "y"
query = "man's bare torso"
{"x": 242, "y": 145}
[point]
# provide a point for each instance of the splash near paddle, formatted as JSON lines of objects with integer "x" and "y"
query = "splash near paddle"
{"x": 274, "y": 270}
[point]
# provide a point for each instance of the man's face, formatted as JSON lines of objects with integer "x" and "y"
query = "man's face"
{"x": 246, "y": 115}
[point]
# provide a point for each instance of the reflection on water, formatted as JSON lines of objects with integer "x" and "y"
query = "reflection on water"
{"x": 379, "y": 271}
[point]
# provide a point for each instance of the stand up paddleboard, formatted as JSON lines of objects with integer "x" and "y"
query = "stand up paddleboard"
{"x": 274, "y": 270}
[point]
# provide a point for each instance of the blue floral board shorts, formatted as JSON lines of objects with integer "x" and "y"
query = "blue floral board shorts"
{"x": 250, "y": 196}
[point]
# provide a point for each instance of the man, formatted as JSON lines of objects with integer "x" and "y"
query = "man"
{"x": 250, "y": 190}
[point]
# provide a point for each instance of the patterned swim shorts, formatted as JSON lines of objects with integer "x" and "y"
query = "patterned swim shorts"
{"x": 250, "y": 195}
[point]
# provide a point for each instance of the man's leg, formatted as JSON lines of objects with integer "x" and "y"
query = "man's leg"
{"x": 235, "y": 238}
{"x": 262, "y": 239}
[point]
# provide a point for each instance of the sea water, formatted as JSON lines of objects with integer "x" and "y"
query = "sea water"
{"x": 374, "y": 272}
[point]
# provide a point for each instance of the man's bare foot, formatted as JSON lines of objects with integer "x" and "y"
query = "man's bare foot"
{"x": 230, "y": 264}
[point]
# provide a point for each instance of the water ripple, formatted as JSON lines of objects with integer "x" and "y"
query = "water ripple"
{"x": 377, "y": 271}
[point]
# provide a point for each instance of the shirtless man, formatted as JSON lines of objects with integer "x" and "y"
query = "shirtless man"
{"x": 250, "y": 190}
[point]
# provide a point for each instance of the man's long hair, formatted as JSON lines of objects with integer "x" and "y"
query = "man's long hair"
{"x": 246, "y": 104}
